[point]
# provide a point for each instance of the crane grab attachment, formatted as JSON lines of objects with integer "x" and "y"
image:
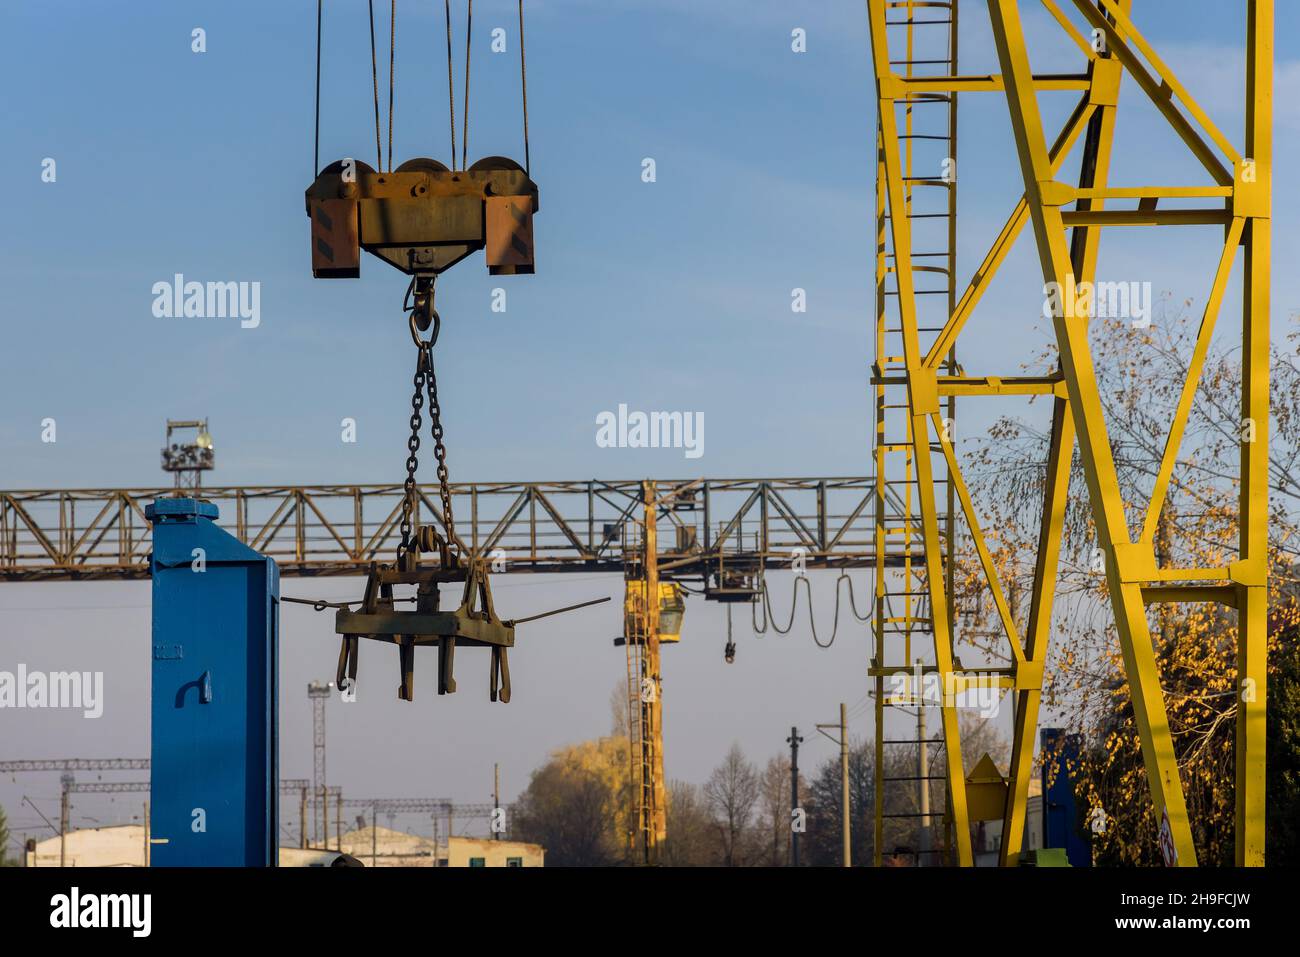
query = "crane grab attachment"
{"x": 473, "y": 623}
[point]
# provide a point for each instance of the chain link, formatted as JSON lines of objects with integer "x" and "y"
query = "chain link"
{"x": 440, "y": 453}
{"x": 423, "y": 367}
{"x": 419, "y": 300}
{"x": 425, "y": 379}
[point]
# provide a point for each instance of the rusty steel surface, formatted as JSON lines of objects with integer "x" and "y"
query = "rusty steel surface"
{"x": 422, "y": 218}
{"x": 473, "y": 623}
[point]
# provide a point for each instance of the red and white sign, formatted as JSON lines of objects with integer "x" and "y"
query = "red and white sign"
{"x": 1167, "y": 849}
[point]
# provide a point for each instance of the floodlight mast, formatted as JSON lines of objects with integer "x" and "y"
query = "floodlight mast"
{"x": 188, "y": 460}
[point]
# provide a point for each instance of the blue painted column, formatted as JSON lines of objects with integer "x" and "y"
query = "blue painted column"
{"x": 1061, "y": 818}
{"x": 214, "y": 754}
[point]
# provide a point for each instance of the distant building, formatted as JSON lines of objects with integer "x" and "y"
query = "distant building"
{"x": 483, "y": 852}
{"x": 123, "y": 846}
{"x": 383, "y": 847}
{"x": 117, "y": 846}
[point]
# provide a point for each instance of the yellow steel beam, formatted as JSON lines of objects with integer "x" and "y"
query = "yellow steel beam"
{"x": 1099, "y": 465}
{"x": 1000, "y": 385}
{"x": 957, "y": 682}
{"x": 1255, "y": 178}
{"x": 1145, "y": 217}
{"x": 1224, "y": 595}
{"x": 1146, "y": 192}
{"x": 656, "y": 829}
{"x": 1091, "y": 194}
{"x": 900, "y": 86}
{"x": 960, "y": 385}
{"x": 1149, "y": 571}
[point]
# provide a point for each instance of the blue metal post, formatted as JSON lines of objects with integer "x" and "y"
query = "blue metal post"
{"x": 214, "y": 754}
{"x": 1061, "y": 818}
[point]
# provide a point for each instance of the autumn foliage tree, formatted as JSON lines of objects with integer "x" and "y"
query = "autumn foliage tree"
{"x": 1140, "y": 375}
{"x": 575, "y": 805}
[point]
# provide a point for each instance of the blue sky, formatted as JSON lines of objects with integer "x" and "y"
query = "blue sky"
{"x": 673, "y": 295}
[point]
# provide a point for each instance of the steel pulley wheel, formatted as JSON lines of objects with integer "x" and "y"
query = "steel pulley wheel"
{"x": 496, "y": 162}
{"x": 427, "y": 538}
{"x": 337, "y": 167}
{"x": 422, "y": 164}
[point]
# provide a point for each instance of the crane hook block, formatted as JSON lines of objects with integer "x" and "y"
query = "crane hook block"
{"x": 421, "y": 217}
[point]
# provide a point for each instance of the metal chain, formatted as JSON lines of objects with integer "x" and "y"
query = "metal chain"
{"x": 423, "y": 366}
{"x": 440, "y": 453}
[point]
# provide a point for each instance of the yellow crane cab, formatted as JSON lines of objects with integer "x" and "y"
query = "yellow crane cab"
{"x": 672, "y": 606}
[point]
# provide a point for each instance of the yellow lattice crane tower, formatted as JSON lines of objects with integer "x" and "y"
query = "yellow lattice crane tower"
{"x": 915, "y": 361}
{"x": 652, "y": 617}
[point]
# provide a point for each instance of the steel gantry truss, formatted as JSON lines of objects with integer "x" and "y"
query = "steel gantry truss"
{"x": 75, "y": 764}
{"x": 1238, "y": 200}
{"x": 523, "y": 526}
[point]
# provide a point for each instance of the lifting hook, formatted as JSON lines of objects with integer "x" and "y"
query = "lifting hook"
{"x": 419, "y": 303}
